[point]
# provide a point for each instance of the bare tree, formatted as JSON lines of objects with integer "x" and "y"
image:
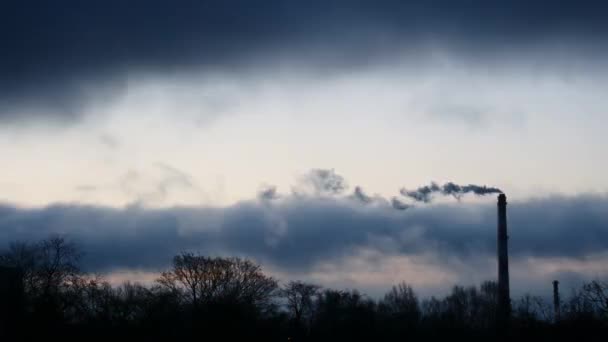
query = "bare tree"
{"x": 596, "y": 292}
{"x": 188, "y": 273}
{"x": 401, "y": 302}
{"x": 203, "y": 279}
{"x": 465, "y": 306}
{"x": 433, "y": 308}
{"x": 22, "y": 256}
{"x": 45, "y": 266}
{"x": 533, "y": 308}
{"x": 57, "y": 263}
{"x": 88, "y": 298}
{"x": 132, "y": 300}
{"x": 488, "y": 303}
{"x": 299, "y": 296}
{"x": 244, "y": 281}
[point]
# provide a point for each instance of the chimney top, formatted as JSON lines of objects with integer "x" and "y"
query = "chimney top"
{"x": 502, "y": 198}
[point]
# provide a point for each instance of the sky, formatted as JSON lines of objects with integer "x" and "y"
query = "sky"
{"x": 295, "y": 133}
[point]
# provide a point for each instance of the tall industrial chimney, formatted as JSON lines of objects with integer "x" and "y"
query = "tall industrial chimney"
{"x": 556, "y": 304}
{"x": 504, "y": 299}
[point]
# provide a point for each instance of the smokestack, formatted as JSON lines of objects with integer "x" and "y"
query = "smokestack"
{"x": 556, "y": 305}
{"x": 504, "y": 299}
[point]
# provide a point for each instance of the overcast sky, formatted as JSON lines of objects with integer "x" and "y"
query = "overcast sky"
{"x": 292, "y": 131}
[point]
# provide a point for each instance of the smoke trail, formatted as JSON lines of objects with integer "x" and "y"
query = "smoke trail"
{"x": 424, "y": 193}
{"x": 361, "y": 196}
{"x": 326, "y": 182}
{"x": 397, "y": 204}
{"x": 323, "y": 182}
{"x": 457, "y": 190}
{"x": 268, "y": 193}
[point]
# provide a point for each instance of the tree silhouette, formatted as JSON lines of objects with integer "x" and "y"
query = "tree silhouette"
{"x": 299, "y": 297}
{"x": 218, "y": 298}
{"x": 202, "y": 279}
{"x": 596, "y": 292}
{"x": 401, "y": 302}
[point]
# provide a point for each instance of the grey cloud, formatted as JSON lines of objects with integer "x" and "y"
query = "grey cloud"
{"x": 174, "y": 176}
{"x": 399, "y": 205}
{"x": 109, "y": 141}
{"x": 322, "y": 182}
{"x": 146, "y": 191}
{"x": 314, "y": 230}
{"x": 361, "y": 196}
{"x": 54, "y": 54}
{"x": 268, "y": 193}
{"x": 472, "y": 114}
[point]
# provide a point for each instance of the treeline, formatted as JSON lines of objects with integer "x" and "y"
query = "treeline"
{"x": 213, "y": 298}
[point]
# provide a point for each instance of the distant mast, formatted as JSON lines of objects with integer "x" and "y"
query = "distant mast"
{"x": 556, "y": 301}
{"x": 504, "y": 299}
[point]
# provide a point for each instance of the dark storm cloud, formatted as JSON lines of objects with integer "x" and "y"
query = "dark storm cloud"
{"x": 54, "y": 53}
{"x": 298, "y": 233}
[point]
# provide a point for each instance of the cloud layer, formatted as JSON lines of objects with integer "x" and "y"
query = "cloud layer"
{"x": 300, "y": 235}
{"x": 58, "y": 54}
